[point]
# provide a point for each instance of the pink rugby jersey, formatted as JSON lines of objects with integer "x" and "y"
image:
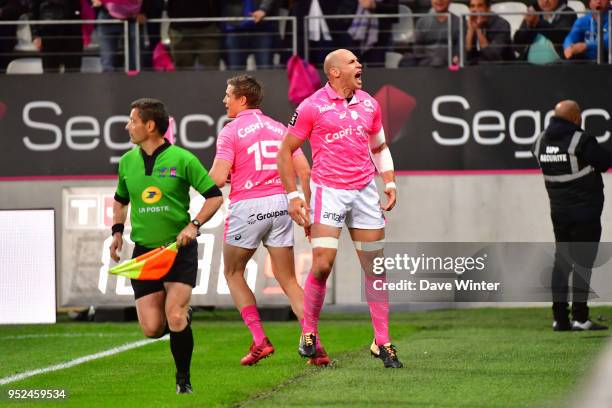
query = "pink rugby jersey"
{"x": 251, "y": 143}
{"x": 339, "y": 134}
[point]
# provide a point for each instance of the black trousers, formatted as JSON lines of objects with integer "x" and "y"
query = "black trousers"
{"x": 576, "y": 249}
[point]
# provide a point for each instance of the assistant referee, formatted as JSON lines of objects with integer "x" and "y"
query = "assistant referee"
{"x": 155, "y": 179}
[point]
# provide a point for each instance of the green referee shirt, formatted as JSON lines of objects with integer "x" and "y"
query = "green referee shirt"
{"x": 157, "y": 186}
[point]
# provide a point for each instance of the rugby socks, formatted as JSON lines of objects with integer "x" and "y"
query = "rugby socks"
{"x": 250, "y": 315}
{"x": 378, "y": 301}
{"x": 314, "y": 296}
{"x": 181, "y": 345}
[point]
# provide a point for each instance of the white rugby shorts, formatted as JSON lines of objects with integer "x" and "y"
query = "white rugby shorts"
{"x": 263, "y": 219}
{"x": 358, "y": 208}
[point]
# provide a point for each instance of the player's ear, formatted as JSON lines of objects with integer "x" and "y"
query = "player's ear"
{"x": 243, "y": 101}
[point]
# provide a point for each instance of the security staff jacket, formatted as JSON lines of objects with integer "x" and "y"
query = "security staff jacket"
{"x": 572, "y": 162}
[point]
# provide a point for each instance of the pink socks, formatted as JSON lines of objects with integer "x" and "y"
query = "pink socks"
{"x": 250, "y": 315}
{"x": 378, "y": 301}
{"x": 314, "y": 296}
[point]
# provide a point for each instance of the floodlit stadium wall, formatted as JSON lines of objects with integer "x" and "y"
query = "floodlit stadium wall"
{"x": 460, "y": 142}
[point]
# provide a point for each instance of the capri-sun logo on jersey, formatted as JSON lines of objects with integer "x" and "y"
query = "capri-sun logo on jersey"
{"x": 344, "y": 132}
{"x": 151, "y": 195}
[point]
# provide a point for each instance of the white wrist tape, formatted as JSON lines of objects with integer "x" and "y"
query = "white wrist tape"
{"x": 292, "y": 195}
{"x": 390, "y": 184}
{"x": 383, "y": 160}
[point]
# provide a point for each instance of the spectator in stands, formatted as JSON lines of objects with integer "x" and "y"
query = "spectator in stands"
{"x": 59, "y": 44}
{"x": 373, "y": 35}
{"x": 9, "y": 10}
{"x": 195, "y": 42}
{"x": 487, "y": 38}
{"x": 431, "y": 38}
{"x": 581, "y": 42}
{"x": 153, "y": 9}
{"x": 539, "y": 40}
{"x": 256, "y": 36}
{"x": 324, "y": 35}
{"x": 110, "y": 36}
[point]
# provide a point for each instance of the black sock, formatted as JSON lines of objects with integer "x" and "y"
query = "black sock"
{"x": 181, "y": 345}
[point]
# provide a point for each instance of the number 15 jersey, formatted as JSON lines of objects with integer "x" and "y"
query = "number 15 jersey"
{"x": 251, "y": 143}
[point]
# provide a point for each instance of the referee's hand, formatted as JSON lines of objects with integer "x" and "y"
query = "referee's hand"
{"x": 116, "y": 246}
{"x": 187, "y": 235}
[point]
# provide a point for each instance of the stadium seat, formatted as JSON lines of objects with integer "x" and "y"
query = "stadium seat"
{"x": 25, "y": 66}
{"x": 576, "y": 5}
{"x": 251, "y": 63}
{"x": 165, "y": 29}
{"x": 24, "y": 36}
{"x": 91, "y": 65}
{"x": 515, "y": 20}
{"x": 403, "y": 31}
{"x": 392, "y": 59}
{"x": 458, "y": 9}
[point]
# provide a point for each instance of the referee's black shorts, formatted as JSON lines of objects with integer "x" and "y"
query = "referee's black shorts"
{"x": 184, "y": 269}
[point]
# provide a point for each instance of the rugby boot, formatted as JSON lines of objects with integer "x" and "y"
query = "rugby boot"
{"x": 257, "y": 352}
{"x": 183, "y": 384}
{"x": 388, "y": 354}
{"x": 308, "y": 345}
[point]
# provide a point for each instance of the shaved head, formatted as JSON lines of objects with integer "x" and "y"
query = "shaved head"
{"x": 333, "y": 59}
{"x": 343, "y": 71}
{"x": 569, "y": 110}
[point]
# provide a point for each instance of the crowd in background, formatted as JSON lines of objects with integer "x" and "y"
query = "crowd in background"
{"x": 551, "y": 32}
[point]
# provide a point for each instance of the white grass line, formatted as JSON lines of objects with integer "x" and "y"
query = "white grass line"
{"x": 80, "y": 360}
{"x": 37, "y": 336}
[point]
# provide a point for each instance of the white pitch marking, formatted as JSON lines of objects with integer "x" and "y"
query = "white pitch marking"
{"x": 37, "y": 336}
{"x": 80, "y": 360}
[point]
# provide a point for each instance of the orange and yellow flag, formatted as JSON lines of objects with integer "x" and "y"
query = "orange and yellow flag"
{"x": 152, "y": 265}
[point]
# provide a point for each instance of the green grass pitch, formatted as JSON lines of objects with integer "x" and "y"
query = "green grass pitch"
{"x": 457, "y": 358}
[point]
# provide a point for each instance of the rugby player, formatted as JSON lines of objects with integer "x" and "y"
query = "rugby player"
{"x": 345, "y": 130}
{"x": 246, "y": 150}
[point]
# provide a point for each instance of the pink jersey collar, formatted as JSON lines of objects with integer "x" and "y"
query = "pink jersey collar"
{"x": 334, "y": 95}
{"x": 248, "y": 112}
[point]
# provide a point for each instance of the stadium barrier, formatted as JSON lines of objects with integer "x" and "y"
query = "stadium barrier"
{"x": 285, "y": 45}
{"x": 401, "y": 35}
